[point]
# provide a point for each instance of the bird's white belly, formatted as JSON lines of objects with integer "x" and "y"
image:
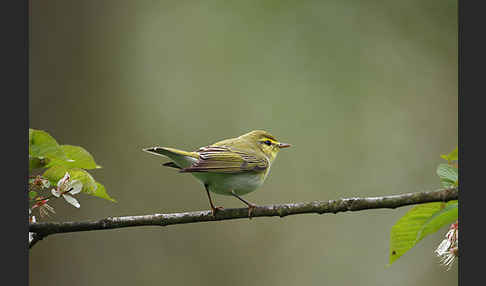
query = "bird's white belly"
{"x": 241, "y": 183}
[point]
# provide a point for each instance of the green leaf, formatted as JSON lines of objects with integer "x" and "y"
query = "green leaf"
{"x": 453, "y": 156}
{"x": 405, "y": 233}
{"x": 445, "y": 216}
{"x": 42, "y": 145}
{"x": 448, "y": 175}
{"x": 89, "y": 183}
{"x": 90, "y": 186}
{"x": 35, "y": 163}
{"x": 101, "y": 193}
{"x": 32, "y": 195}
{"x": 446, "y": 171}
{"x": 77, "y": 157}
{"x": 55, "y": 173}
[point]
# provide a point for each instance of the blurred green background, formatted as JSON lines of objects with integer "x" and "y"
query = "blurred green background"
{"x": 366, "y": 91}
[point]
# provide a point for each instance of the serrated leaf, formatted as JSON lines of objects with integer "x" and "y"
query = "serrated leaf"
{"x": 443, "y": 217}
{"x": 403, "y": 235}
{"x": 32, "y": 195}
{"x": 448, "y": 175}
{"x": 41, "y": 145}
{"x": 77, "y": 157}
{"x": 101, "y": 193}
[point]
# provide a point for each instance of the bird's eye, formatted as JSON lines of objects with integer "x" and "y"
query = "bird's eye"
{"x": 268, "y": 142}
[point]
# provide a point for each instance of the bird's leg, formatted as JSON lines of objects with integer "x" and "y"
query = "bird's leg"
{"x": 251, "y": 206}
{"x": 213, "y": 208}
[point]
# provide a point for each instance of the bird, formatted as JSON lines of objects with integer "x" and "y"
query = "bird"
{"x": 232, "y": 167}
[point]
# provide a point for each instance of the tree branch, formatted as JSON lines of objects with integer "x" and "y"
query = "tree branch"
{"x": 43, "y": 229}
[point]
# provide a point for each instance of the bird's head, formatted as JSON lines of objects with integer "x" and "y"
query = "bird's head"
{"x": 264, "y": 141}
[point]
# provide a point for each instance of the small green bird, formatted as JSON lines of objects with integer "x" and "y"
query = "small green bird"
{"x": 233, "y": 167}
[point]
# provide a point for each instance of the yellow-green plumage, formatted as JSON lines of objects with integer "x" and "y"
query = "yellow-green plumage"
{"x": 232, "y": 166}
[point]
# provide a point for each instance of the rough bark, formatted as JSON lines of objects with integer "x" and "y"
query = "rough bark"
{"x": 43, "y": 229}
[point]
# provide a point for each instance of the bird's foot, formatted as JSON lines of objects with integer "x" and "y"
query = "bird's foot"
{"x": 251, "y": 208}
{"x": 214, "y": 210}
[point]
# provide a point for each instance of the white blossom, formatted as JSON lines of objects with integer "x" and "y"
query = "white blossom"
{"x": 31, "y": 219}
{"x": 448, "y": 248}
{"x": 67, "y": 187}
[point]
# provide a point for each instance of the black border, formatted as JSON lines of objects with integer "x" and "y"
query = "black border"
{"x": 472, "y": 62}
{"x": 15, "y": 120}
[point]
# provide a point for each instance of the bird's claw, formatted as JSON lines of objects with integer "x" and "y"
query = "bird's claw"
{"x": 216, "y": 209}
{"x": 251, "y": 208}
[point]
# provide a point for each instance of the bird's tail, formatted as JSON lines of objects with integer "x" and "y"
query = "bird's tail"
{"x": 182, "y": 159}
{"x": 172, "y": 165}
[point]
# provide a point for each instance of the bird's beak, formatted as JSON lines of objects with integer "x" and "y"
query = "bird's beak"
{"x": 283, "y": 145}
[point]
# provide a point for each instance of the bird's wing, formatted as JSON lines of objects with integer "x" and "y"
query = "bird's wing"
{"x": 225, "y": 159}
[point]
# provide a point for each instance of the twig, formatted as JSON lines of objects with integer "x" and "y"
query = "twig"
{"x": 35, "y": 238}
{"x": 43, "y": 229}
